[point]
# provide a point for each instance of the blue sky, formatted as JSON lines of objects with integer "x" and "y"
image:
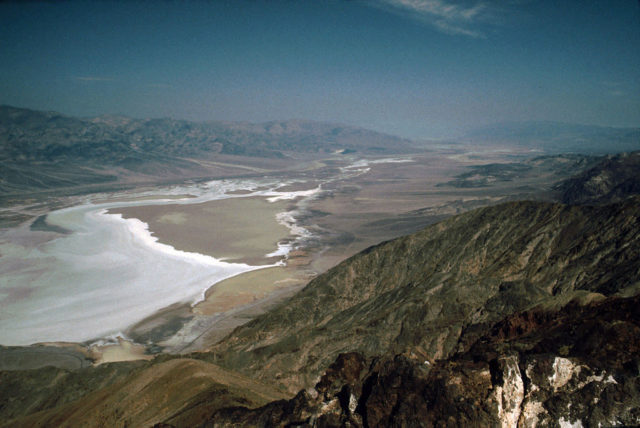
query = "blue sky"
{"x": 416, "y": 68}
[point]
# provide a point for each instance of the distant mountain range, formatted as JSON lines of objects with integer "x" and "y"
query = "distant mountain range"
{"x": 611, "y": 180}
{"x": 50, "y": 136}
{"x": 558, "y": 137}
{"x": 41, "y": 150}
{"x": 48, "y": 150}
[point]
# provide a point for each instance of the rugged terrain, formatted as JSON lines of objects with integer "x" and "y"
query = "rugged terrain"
{"x": 610, "y": 180}
{"x": 577, "y": 364}
{"x": 518, "y": 312}
{"x": 418, "y": 293}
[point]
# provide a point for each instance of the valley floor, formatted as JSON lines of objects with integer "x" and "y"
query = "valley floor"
{"x": 357, "y": 204}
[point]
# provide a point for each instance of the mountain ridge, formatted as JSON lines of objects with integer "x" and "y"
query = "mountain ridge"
{"x": 48, "y": 150}
{"x": 611, "y": 180}
{"x": 537, "y": 367}
{"x": 558, "y": 137}
{"x": 137, "y": 134}
{"x": 403, "y": 288}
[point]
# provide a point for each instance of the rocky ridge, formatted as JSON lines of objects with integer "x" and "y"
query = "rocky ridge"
{"x": 611, "y": 180}
{"x": 419, "y": 293}
{"x": 576, "y": 365}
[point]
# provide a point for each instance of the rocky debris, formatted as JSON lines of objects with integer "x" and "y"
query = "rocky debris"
{"x": 551, "y": 373}
{"x": 332, "y": 402}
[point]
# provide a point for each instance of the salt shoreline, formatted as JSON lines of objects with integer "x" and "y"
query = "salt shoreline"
{"x": 110, "y": 242}
{"x": 78, "y": 259}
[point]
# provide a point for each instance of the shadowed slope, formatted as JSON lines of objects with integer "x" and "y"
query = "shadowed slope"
{"x": 180, "y": 391}
{"x": 577, "y": 364}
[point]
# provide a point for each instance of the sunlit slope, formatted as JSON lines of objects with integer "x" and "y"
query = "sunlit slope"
{"x": 419, "y": 292}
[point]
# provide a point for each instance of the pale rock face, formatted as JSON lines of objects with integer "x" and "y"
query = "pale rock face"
{"x": 510, "y": 395}
{"x": 353, "y": 403}
{"x": 568, "y": 424}
{"x": 597, "y": 378}
{"x": 532, "y": 408}
{"x": 330, "y": 406}
{"x": 560, "y": 378}
{"x": 531, "y": 412}
{"x": 312, "y": 393}
{"x": 563, "y": 371}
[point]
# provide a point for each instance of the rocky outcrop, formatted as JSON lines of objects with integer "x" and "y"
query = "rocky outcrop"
{"x": 564, "y": 366}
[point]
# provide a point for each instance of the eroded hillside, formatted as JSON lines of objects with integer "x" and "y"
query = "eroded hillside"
{"x": 418, "y": 293}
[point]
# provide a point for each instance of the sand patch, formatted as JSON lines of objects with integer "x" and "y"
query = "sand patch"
{"x": 247, "y": 288}
{"x": 173, "y": 218}
{"x": 122, "y": 351}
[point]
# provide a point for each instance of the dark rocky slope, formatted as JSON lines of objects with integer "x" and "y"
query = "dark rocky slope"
{"x": 612, "y": 180}
{"x": 578, "y": 364}
{"x": 419, "y": 293}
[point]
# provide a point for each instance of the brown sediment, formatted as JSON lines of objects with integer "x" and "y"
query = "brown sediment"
{"x": 124, "y": 350}
{"x": 249, "y": 287}
{"x": 234, "y": 229}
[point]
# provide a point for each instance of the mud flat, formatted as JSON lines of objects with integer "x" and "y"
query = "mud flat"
{"x": 228, "y": 304}
{"x": 241, "y": 230}
{"x": 106, "y": 272}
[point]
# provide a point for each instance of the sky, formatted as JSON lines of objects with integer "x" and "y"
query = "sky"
{"x": 414, "y": 68}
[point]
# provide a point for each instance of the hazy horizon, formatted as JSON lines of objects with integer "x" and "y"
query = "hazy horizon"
{"x": 413, "y": 68}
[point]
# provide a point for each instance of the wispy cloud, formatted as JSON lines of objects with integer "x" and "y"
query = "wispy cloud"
{"x": 615, "y": 89}
{"x": 444, "y": 15}
{"x": 159, "y": 85}
{"x": 94, "y": 79}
